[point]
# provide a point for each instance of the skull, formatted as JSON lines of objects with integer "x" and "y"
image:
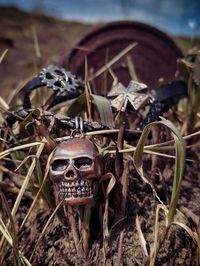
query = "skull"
{"x": 74, "y": 167}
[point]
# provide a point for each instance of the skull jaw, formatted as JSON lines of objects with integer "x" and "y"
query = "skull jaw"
{"x": 77, "y": 201}
{"x": 75, "y": 192}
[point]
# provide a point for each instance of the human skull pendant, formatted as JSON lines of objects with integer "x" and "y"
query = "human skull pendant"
{"x": 74, "y": 167}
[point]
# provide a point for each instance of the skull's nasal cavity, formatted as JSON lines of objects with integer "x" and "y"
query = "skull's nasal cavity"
{"x": 70, "y": 173}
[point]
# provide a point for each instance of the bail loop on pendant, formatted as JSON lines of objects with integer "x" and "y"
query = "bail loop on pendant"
{"x": 78, "y": 128}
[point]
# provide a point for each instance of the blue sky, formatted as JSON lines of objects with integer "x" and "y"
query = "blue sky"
{"x": 172, "y": 16}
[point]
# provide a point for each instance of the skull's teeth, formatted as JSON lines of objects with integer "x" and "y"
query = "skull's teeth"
{"x": 76, "y": 194}
{"x": 78, "y": 183}
{"x": 78, "y": 188}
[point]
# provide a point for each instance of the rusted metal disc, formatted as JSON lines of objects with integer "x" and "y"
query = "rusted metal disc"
{"x": 154, "y": 57}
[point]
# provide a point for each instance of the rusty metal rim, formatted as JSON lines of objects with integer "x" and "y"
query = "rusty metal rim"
{"x": 96, "y": 30}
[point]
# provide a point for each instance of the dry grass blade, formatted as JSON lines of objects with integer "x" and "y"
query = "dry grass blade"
{"x": 6, "y": 235}
{"x": 17, "y": 260}
{"x": 119, "y": 253}
{"x": 124, "y": 180}
{"x": 193, "y": 235}
{"x": 3, "y": 55}
{"x": 3, "y": 104}
{"x": 189, "y": 214}
{"x": 44, "y": 229}
{"x": 75, "y": 234}
{"x": 119, "y": 164}
{"x": 5, "y": 232}
{"x": 26, "y": 182}
{"x": 156, "y": 244}
{"x": 141, "y": 237}
{"x": 131, "y": 68}
{"x": 20, "y": 147}
{"x": 113, "y": 61}
{"x": 110, "y": 186}
{"x": 36, "y": 43}
{"x": 23, "y": 162}
{"x": 87, "y": 91}
{"x": 102, "y": 106}
{"x": 79, "y": 105}
{"x": 84, "y": 217}
{"x": 27, "y": 179}
{"x": 98, "y": 132}
{"x": 39, "y": 191}
{"x": 179, "y": 162}
{"x": 14, "y": 95}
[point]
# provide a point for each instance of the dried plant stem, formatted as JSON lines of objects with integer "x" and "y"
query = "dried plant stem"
{"x": 119, "y": 253}
{"x": 76, "y": 238}
{"x": 25, "y": 184}
{"x": 24, "y": 146}
{"x": 44, "y": 229}
{"x": 27, "y": 179}
{"x": 157, "y": 243}
{"x": 87, "y": 91}
{"x": 114, "y": 60}
{"x": 45, "y": 174}
{"x": 106, "y": 233}
{"x": 7, "y": 236}
{"x": 194, "y": 234}
{"x": 119, "y": 156}
{"x": 131, "y": 68}
{"x": 172, "y": 141}
{"x": 38, "y": 193}
{"x": 107, "y": 131}
{"x": 141, "y": 237}
{"x": 36, "y": 43}
{"x": 124, "y": 181}
{"x": 4, "y": 104}
{"x": 85, "y": 213}
{"x": 3, "y": 55}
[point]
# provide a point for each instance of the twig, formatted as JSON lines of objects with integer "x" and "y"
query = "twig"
{"x": 119, "y": 253}
{"x": 75, "y": 234}
{"x": 114, "y": 60}
{"x": 44, "y": 229}
{"x": 124, "y": 181}
{"x": 3, "y": 55}
{"x": 119, "y": 156}
{"x": 85, "y": 213}
{"x": 87, "y": 91}
{"x": 36, "y": 43}
{"x": 131, "y": 68}
{"x": 12, "y": 189}
{"x": 39, "y": 191}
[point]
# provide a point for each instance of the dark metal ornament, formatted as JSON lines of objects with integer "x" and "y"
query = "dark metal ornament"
{"x": 154, "y": 57}
{"x": 132, "y": 94}
{"x": 59, "y": 79}
{"x": 64, "y": 83}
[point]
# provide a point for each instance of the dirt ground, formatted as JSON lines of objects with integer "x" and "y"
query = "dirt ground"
{"x": 57, "y": 245}
{"x": 55, "y": 38}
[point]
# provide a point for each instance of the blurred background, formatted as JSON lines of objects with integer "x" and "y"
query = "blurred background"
{"x": 177, "y": 17}
{"x": 36, "y": 33}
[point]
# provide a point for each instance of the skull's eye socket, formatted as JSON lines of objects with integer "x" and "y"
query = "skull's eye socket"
{"x": 59, "y": 165}
{"x": 83, "y": 163}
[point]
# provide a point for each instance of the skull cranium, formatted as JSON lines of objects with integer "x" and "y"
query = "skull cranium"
{"x": 74, "y": 167}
